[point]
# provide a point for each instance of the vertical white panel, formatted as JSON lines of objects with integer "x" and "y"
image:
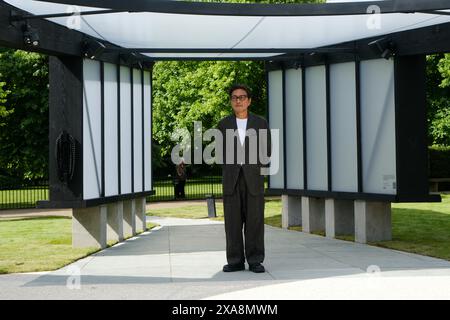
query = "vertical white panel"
{"x": 147, "y": 131}
{"x": 275, "y": 88}
{"x": 137, "y": 127}
{"x": 111, "y": 128}
{"x": 294, "y": 129}
{"x": 344, "y": 154}
{"x": 92, "y": 144}
{"x": 378, "y": 126}
{"x": 125, "y": 130}
{"x": 316, "y": 128}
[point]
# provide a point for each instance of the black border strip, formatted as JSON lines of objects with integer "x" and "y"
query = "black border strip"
{"x": 143, "y": 131}
{"x": 305, "y": 151}
{"x": 119, "y": 145}
{"x": 328, "y": 120}
{"x": 102, "y": 108}
{"x": 256, "y": 9}
{"x": 397, "y": 102}
{"x": 267, "y": 112}
{"x": 358, "y": 124}
{"x": 92, "y": 202}
{"x": 132, "y": 129}
{"x": 353, "y": 195}
{"x": 283, "y": 104}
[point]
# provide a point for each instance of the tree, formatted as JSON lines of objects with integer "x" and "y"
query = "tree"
{"x": 23, "y": 114}
{"x": 3, "y": 111}
{"x": 438, "y": 98}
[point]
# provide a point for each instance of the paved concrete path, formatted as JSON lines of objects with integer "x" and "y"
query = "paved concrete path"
{"x": 183, "y": 259}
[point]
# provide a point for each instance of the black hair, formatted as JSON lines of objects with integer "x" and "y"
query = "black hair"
{"x": 240, "y": 86}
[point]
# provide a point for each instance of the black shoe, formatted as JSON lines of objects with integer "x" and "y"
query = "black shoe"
{"x": 233, "y": 267}
{"x": 257, "y": 268}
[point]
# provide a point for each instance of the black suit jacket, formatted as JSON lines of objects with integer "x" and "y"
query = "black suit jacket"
{"x": 251, "y": 168}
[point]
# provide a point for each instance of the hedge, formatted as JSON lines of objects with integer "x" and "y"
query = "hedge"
{"x": 439, "y": 161}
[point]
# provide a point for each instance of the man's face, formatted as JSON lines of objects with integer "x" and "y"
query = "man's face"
{"x": 240, "y": 101}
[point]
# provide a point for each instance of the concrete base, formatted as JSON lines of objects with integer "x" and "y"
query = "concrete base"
{"x": 339, "y": 217}
{"x": 129, "y": 218}
{"x": 313, "y": 214}
{"x": 291, "y": 214}
{"x": 372, "y": 221}
{"x": 89, "y": 227}
{"x": 141, "y": 224}
{"x": 114, "y": 230}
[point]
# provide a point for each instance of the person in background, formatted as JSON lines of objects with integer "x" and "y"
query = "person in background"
{"x": 180, "y": 180}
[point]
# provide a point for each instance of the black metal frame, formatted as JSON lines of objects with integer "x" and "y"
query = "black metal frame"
{"x": 358, "y": 124}
{"x": 353, "y": 196}
{"x": 283, "y": 105}
{"x": 428, "y": 40}
{"x": 239, "y": 9}
{"x": 64, "y": 43}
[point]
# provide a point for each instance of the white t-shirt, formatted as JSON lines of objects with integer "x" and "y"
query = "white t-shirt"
{"x": 242, "y": 126}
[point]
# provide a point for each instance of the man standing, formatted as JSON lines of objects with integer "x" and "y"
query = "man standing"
{"x": 243, "y": 182}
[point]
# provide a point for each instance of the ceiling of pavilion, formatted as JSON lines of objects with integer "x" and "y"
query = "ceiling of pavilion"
{"x": 233, "y": 30}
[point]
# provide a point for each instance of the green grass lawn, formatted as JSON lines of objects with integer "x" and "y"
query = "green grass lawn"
{"x": 38, "y": 244}
{"x": 22, "y": 198}
{"x": 422, "y": 228}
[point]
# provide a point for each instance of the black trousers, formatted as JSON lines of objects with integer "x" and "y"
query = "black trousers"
{"x": 242, "y": 209}
{"x": 179, "y": 189}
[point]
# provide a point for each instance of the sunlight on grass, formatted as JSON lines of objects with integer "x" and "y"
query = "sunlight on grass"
{"x": 39, "y": 244}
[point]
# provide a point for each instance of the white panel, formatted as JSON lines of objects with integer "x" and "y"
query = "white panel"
{"x": 344, "y": 154}
{"x": 276, "y": 122}
{"x": 125, "y": 130}
{"x": 147, "y": 130}
{"x": 92, "y": 143}
{"x": 294, "y": 129}
{"x": 378, "y": 126}
{"x": 111, "y": 128}
{"x": 316, "y": 128}
{"x": 137, "y": 127}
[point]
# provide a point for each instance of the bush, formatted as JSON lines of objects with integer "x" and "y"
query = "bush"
{"x": 439, "y": 161}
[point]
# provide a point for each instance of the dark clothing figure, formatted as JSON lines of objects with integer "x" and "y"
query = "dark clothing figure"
{"x": 243, "y": 196}
{"x": 180, "y": 180}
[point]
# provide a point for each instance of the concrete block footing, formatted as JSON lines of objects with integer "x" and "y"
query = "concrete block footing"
{"x": 129, "y": 218}
{"x": 372, "y": 221}
{"x": 313, "y": 214}
{"x": 89, "y": 227}
{"x": 291, "y": 214}
{"x": 96, "y": 226}
{"x": 339, "y": 217}
{"x": 366, "y": 220}
{"x": 114, "y": 229}
{"x": 141, "y": 223}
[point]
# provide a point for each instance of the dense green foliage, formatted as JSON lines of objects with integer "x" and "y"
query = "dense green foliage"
{"x": 186, "y": 91}
{"x": 438, "y": 96}
{"x": 439, "y": 161}
{"x": 23, "y": 115}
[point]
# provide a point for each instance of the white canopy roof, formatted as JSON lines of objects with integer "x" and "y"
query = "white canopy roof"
{"x": 230, "y": 36}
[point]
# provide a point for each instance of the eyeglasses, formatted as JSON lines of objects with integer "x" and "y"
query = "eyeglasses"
{"x": 240, "y": 98}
